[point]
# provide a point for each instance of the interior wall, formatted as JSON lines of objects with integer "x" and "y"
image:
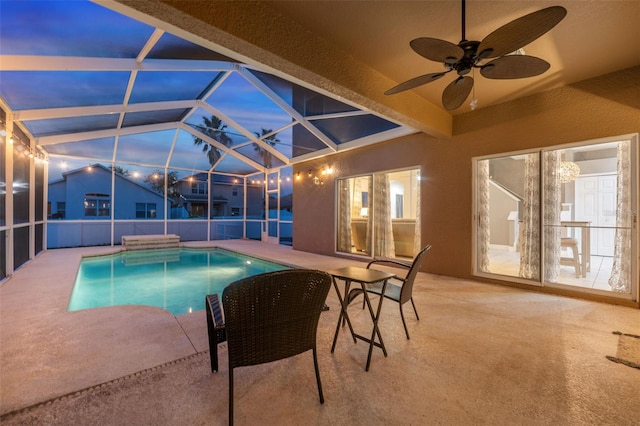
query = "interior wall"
{"x": 601, "y": 107}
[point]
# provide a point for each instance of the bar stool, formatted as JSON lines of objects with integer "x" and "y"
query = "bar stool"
{"x": 572, "y": 244}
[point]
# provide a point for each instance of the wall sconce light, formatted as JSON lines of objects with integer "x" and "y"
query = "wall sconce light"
{"x": 317, "y": 176}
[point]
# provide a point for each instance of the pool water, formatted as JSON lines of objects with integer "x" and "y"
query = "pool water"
{"x": 173, "y": 279}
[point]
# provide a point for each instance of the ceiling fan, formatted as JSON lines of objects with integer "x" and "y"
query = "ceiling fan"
{"x": 466, "y": 55}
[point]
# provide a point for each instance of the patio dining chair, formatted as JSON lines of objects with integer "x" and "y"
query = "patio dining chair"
{"x": 267, "y": 317}
{"x": 399, "y": 289}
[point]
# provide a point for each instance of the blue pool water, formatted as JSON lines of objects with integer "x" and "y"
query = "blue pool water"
{"x": 173, "y": 279}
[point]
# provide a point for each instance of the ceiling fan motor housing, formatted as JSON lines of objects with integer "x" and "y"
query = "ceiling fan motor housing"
{"x": 469, "y": 59}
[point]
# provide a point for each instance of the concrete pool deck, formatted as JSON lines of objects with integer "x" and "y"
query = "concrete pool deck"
{"x": 480, "y": 353}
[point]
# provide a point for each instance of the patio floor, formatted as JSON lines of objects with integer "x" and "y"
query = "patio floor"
{"x": 480, "y": 354}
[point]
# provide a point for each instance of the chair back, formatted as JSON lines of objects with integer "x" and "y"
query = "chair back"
{"x": 407, "y": 285}
{"x": 274, "y": 315}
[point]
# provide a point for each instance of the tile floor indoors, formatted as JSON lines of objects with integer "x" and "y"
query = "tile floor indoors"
{"x": 507, "y": 262}
{"x": 480, "y": 354}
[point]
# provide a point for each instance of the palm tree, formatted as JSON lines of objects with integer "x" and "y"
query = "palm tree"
{"x": 213, "y": 128}
{"x": 272, "y": 140}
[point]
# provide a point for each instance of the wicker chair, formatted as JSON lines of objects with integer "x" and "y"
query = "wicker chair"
{"x": 400, "y": 293}
{"x": 267, "y": 317}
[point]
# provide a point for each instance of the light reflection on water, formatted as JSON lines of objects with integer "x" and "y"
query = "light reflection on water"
{"x": 173, "y": 279}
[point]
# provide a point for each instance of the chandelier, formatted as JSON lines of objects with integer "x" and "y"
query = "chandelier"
{"x": 569, "y": 171}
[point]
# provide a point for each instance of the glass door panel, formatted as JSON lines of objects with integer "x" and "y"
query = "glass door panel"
{"x": 594, "y": 220}
{"x": 507, "y": 210}
{"x": 354, "y": 219}
{"x": 379, "y": 215}
{"x": 561, "y": 217}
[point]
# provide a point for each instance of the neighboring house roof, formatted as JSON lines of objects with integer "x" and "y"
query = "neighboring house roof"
{"x": 108, "y": 170}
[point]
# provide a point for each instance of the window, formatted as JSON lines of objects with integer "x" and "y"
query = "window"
{"x": 60, "y": 210}
{"x": 560, "y": 216}
{"x": 378, "y": 215}
{"x": 146, "y": 211}
{"x": 234, "y": 191}
{"x": 235, "y": 211}
{"x": 97, "y": 205}
{"x": 199, "y": 188}
{"x": 90, "y": 207}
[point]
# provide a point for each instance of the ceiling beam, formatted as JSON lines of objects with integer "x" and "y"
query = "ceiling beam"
{"x": 76, "y": 63}
{"x": 86, "y": 111}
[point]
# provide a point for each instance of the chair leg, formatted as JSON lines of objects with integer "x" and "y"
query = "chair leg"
{"x": 403, "y": 322}
{"x": 213, "y": 344}
{"x": 414, "y": 309}
{"x": 315, "y": 364}
{"x": 230, "y": 396}
{"x": 576, "y": 261}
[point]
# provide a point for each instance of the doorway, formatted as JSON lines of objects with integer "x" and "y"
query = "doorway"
{"x": 560, "y": 216}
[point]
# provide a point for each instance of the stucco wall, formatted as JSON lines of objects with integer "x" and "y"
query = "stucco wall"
{"x": 601, "y": 107}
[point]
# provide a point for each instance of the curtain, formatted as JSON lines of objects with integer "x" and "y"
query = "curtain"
{"x": 551, "y": 219}
{"x": 530, "y": 228}
{"x": 483, "y": 232}
{"x": 417, "y": 240}
{"x": 620, "y": 279}
{"x": 344, "y": 216}
{"x": 369, "y": 186}
{"x": 382, "y": 227}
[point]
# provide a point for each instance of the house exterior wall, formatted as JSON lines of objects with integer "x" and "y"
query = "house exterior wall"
{"x": 57, "y": 193}
{"x": 601, "y": 107}
{"x": 72, "y": 191}
{"x": 96, "y": 181}
{"x": 128, "y": 194}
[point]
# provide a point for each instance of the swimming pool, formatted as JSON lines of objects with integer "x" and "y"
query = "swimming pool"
{"x": 173, "y": 279}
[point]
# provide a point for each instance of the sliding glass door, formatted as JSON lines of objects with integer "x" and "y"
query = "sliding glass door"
{"x": 378, "y": 214}
{"x": 560, "y": 216}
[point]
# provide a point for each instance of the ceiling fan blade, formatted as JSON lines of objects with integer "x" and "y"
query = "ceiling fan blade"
{"x": 437, "y": 50}
{"x": 520, "y": 32}
{"x": 456, "y": 92}
{"x": 415, "y": 82}
{"x": 514, "y": 66}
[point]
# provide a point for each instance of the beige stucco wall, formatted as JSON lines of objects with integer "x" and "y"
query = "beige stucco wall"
{"x": 601, "y": 107}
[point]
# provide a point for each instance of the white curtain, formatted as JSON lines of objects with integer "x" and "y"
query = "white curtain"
{"x": 344, "y": 215}
{"x": 382, "y": 227}
{"x": 530, "y": 227}
{"x": 483, "y": 232}
{"x": 620, "y": 279}
{"x": 551, "y": 219}
{"x": 417, "y": 240}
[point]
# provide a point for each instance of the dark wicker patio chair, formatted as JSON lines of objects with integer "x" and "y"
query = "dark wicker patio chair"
{"x": 400, "y": 293}
{"x": 267, "y": 317}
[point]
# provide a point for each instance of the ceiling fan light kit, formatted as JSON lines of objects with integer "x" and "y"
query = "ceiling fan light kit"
{"x": 498, "y": 47}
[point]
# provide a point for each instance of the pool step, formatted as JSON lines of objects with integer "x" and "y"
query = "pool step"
{"x": 146, "y": 242}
